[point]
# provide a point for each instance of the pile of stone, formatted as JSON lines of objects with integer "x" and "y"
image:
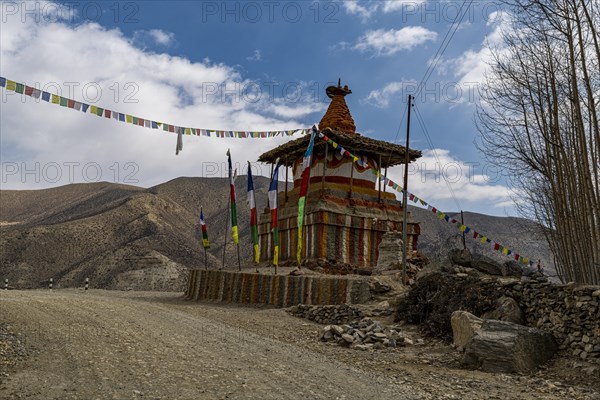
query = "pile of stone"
{"x": 333, "y": 314}
{"x": 366, "y": 334}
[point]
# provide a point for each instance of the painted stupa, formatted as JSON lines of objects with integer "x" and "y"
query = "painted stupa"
{"x": 348, "y": 209}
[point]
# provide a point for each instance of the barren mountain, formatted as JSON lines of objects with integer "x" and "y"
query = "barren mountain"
{"x": 125, "y": 237}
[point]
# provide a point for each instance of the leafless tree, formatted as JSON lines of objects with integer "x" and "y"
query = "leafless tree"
{"x": 538, "y": 119}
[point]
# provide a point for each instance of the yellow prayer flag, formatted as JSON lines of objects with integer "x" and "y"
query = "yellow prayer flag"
{"x": 505, "y": 251}
{"x": 483, "y": 239}
{"x": 129, "y": 118}
{"x": 93, "y": 110}
{"x": 188, "y": 131}
{"x": 11, "y": 85}
{"x": 55, "y": 99}
{"x": 463, "y": 228}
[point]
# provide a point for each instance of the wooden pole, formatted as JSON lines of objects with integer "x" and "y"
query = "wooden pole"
{"x": 405, "y": 195}
{"x": 238, "y": 254}
{"x": 379, "y": 180}
{"x": 324, "y": 170}
{"x": 384, "y": 176}
{"x": 226, "y": 226}
{"x": 286, "y": 183}
{"x": 205, "y": 260}
{"x": 462, "y": 221}
{"x": 351, "y": 176}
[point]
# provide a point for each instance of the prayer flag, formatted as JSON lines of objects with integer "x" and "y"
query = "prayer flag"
{"x": 205, "y": 241}
{"x": 306, "y": 161}
{"x": 253, "y": 216}
{"x": 234, "y": 227}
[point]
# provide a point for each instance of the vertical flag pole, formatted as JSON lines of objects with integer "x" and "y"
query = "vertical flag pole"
{"x": 462, "y": 221}
{"x": 205, "y": 242}
{"x": 286, "y": 179}
{"x": 405, "y": 195}
{"x": 274, "y": 216}
{"x": 226, "y": 227}
{"x": 253, "y": 218}
{"x": 379, "y": 180}
{"x": 238, "y": 254}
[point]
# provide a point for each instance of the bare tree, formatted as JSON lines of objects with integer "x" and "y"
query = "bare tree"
{"x": 538, "y": 119}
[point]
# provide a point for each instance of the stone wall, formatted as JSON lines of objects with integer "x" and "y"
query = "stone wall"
{"x": 275, "y": 290}
{"x": 570, "y": 312}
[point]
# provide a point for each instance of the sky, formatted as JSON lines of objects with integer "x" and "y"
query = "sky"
{"x": 246, "y": 66}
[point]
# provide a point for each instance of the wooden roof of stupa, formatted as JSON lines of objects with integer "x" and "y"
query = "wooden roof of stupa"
{"x": 338, "y": 124}
{"x": 391, "y": 154}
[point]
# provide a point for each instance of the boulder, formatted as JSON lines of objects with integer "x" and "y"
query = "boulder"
{"x": 464, "y": 326}
{"x": 481, "y": 263}
{"x": 501, "y": 346}
{"x": 507, "y": 309}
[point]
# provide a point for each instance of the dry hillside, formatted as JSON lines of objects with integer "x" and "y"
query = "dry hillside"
{"x": 125, "y": 237}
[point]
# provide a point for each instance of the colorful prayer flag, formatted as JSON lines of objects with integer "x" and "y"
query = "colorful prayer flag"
{"x": 306, "y": 161}
{"x": 273, "y": 207}
{"x": 234, "y": 227}
{"x": 253, "y": 216}
{"x": 205, "y": 241}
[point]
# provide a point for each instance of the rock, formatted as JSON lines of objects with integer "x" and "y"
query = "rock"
{"x": 464, "y": 326}
{"x": 338, "y": 330}
{"x": 476, "y": 261}
{"x": 390, "y": 252}
{"x": 377, "y": 287}
{"x": 384, "y": 305}
{"x": 348, "y": 338}
{"x": 501, "y": 346}
{"x": 507, "y": 309}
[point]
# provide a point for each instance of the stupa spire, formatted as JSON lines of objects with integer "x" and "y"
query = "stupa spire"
{"x": 338, "y": 117}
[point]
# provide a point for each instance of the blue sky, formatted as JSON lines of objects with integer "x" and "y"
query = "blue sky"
{"x": 236, "y": 65}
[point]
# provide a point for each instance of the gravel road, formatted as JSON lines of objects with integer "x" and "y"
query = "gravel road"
{"x": 146, "y": 345}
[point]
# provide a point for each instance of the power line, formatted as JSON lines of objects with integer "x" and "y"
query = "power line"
{"x": 444, "y": 45}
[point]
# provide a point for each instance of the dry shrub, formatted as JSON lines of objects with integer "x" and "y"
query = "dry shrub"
{"x": 431, "y": 302}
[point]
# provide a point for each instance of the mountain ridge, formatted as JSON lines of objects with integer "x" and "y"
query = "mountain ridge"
{"x": 126, "y": 237}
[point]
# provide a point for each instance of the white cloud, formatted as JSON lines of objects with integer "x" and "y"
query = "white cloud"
{"x": 471, "y": 66}
{"x": 366, "y": 9}
{"x": 280, "y": 109}
{"x": 157, "y": 36}
{"x": 256, "y": 56}
{"x": 397, "y": 5}
{"x": 472, "y": 183}
{"x": 381, "y": 97}
{"x": 389, "y": 42}
{"x": 39, "y": 136}
{"x": 363, "y": 9}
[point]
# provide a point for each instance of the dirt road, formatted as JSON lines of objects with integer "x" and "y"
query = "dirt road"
{"x": 143, "y": 345}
